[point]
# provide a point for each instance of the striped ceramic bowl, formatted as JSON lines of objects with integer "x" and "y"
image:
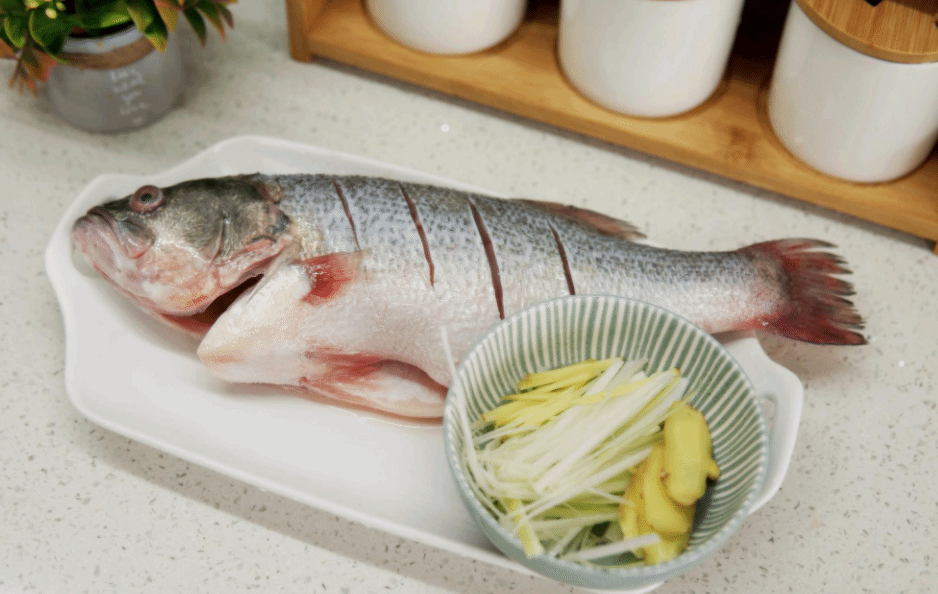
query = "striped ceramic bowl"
{"x": 571, "y": 329}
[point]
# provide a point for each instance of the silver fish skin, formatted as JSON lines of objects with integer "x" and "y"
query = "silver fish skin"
{"x": 360, "y": 273}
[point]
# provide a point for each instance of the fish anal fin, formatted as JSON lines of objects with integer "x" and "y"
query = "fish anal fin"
{"x": 340, "y": 366}
{"x": 364, "y": 381}
{"x": 813, "y": 307}
{"x": 598, "y": 221}
{"x": 330, "y": 274}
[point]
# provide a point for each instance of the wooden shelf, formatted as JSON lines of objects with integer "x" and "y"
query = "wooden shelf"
{"x": 729, "y": 135}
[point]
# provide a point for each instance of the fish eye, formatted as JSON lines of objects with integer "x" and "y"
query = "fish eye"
{"x": 146, "y": 199}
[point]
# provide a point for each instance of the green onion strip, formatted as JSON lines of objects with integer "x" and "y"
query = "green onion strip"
{"x": 553, "y": 466}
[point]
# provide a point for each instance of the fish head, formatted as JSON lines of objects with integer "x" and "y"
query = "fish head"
{"x": 175, "y": 250}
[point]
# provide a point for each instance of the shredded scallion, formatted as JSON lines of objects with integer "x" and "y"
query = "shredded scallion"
{"x": 552, "y": 461}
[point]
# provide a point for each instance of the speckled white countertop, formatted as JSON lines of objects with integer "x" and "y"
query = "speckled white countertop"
{"x": 83, "y": 509}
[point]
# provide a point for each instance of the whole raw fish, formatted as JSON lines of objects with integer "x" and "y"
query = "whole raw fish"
{"x": 359, "y": 274}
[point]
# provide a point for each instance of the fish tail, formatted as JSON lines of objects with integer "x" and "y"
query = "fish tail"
{"x": 813, "y": 306}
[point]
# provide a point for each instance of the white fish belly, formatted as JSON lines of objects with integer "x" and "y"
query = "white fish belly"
{"x": 341, "y": 346}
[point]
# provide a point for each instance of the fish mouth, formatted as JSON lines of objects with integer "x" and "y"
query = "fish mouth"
{"x": 115, "y": 254}
{"x": 95, "y": 238}
{"x": 131, "y": 238}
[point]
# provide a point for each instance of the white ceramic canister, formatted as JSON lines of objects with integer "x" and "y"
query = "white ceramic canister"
{"x": 116, "y": 82}
{"x": 447, "y": 26}
{"x": 650, "y": 58}
{"x": 846, "y": 113}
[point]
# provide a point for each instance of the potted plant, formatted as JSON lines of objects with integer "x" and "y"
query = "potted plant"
{"x": 98, "y": 55}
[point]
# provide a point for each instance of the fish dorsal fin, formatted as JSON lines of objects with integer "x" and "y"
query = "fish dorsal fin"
{"x": 603, "y": 223}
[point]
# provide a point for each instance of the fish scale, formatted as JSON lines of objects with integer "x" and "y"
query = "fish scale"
{"x": 692, "y": 284}
{"x": 324, "y": 225}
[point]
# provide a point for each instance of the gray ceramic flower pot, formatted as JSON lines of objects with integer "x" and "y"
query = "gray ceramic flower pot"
{"x": 116, "y": 83}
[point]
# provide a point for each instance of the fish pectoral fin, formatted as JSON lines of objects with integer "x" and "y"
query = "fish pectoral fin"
{"x": 603, "y": 223}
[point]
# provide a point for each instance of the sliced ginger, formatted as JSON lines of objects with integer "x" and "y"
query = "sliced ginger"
{"x": 666, "y": 549}
{"x": 689, "y": 455}
{"x": 666, "y": 516}
{"x": 662, "y": 492}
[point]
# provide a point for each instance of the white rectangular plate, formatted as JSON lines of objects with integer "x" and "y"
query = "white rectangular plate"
{"x": 130, "y": 374}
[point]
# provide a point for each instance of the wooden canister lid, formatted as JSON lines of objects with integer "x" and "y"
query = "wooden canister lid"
{"x": 894, "y": 30}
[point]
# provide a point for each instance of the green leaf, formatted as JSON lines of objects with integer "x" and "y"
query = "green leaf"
{"x": 50, "y": 33}
{"x": 157, "y": 33}
{"x": 210, "y": 10}
{"x": 37, "y": 63}
{"x": 8, "y": 7}
{"x": 15, "y": 29}
{"x": 198, "y": 25}
{"x": 226, "y": 14}
{"x": 142, "y": 12}
{"x": 169, "y": 12}
{"x": 104, "y": 16}
{"x": 32, "y": 66}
